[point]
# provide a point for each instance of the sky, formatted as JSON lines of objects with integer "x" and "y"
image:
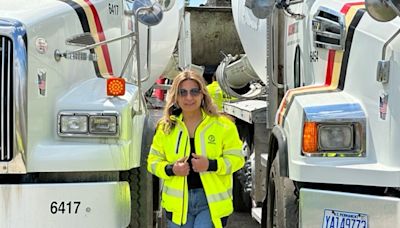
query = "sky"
{"x": 196, "y": 2}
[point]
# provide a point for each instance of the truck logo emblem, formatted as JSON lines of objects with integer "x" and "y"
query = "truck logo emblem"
{"x": 41, "y": 45}
{"x": 42, "y": 82}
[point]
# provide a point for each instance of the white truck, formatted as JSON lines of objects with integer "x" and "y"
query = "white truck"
{"x": 317, "y": 111}
{"x": 73, "y": 142}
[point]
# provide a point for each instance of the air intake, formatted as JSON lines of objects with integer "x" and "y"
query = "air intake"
{"x": 328, "y": 29}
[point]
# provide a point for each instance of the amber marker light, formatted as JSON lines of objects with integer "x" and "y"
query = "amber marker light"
{"x": 115, "y": 86}
{"x": 310, "y": 137}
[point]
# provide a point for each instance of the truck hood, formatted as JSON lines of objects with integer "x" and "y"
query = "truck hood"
{"x": 56, "y": 20}
{"x": 29, "y": 12}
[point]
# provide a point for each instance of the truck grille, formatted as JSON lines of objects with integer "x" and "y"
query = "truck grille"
{"x": 6, "y": 102}
{"x": 329, "y": 29}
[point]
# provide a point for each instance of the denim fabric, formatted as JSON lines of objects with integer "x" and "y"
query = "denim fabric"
{"x": 198, "y": 214}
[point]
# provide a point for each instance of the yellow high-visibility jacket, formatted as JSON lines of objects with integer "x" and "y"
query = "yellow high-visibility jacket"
{"x": 216, "y": 94}
{"x": 216, "y": 138}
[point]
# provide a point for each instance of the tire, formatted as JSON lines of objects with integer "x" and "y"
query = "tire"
{"x": 241, "y": 199}
{"x": 282, "y": 200}
{"x": 141, "y": 202}
{"x": 141, "y": 186}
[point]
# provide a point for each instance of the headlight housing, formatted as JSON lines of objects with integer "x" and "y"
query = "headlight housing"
{"x": 332, "y": 139}
{"x": 88, "y": 124}
{"x": 334, "y": 131}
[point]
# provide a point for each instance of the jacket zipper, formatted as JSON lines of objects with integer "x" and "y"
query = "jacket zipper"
{"x": 184, "y": 180}
{"x": 179, "y": 141}
{"x": 184, "y": 184}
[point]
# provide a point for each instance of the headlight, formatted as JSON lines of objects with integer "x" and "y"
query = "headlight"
{"x": 103, "y": 125}
{"x": 332, "y": 139}
{"x": 73, "y": 124}
{"x": 335, "y": 137}
{"x": 88, "y": 124}
{"x": 334, "y": 130}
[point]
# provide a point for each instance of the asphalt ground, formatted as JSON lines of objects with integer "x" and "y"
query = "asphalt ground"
{"x": 242, "y": 220}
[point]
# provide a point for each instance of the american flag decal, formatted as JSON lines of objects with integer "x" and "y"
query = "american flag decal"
{"x": 383, "y": 101}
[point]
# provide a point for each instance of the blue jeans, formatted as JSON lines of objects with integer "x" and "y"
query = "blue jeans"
{"x": 198, "y": 214}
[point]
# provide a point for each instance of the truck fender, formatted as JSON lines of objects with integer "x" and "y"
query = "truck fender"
{"x": 278, "y": 139}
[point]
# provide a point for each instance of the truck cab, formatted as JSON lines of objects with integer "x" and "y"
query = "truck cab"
{"x": 325, "y": 156}
{"x": 73, "y": 119}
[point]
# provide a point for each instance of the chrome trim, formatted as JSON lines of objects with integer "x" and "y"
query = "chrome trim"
{"x": 322, "y": 28}
{"x": 383, "y": 68}
{"x": 383, "y": 71}
{"x": 339, "y": 114}
{"x": 88, "y": 114}
{"x": 16, "y": 31}
{"x": 80, "y": 40}
{"x": 388, "y": 42}
{"x": 292, "y": 2}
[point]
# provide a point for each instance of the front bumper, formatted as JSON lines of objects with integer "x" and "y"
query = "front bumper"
{"x": 105, "y": 204}
{"x": 379, "y": 211}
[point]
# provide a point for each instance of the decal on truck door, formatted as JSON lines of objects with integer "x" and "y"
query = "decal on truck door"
{"x": 91, "y": 23}
{"x": 41, "y": 81}
{"x": 336, "y": 68}
{"x": 293, "y": 28}
{"x": 383, "y": 105}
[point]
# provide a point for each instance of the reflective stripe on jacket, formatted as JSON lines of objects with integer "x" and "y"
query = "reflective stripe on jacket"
{"x": 215, "y": 138}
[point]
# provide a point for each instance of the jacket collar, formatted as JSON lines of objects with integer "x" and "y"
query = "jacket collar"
{"x": 179, "y": 118}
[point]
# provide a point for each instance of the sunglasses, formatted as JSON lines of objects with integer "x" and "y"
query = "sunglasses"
{"x": 194, "y": 92}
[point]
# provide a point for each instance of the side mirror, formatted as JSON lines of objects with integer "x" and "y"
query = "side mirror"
{"x": 146, "y": 11}
{"x": 260, "y": 8}
{"x": 382, "y": 10}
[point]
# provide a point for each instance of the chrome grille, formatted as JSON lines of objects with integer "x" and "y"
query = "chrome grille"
{"x": 6, "y": 104}
{"x": 329, "y": 30}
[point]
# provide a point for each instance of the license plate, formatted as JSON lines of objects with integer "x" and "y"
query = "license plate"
{"x": 344, "y": 219}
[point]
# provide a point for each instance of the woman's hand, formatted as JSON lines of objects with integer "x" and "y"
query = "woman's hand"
{"x": 181, "y": 167}
{"x": 199, "y": 163}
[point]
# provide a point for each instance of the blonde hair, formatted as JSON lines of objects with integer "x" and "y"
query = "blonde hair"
{"x": 171, "y": 101}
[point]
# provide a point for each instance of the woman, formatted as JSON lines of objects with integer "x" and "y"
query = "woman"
{"x": 195, "y": 151}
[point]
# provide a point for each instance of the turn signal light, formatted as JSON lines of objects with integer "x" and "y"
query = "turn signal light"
{"x": 115, "y": 86}
{"x": 310, "y": 137}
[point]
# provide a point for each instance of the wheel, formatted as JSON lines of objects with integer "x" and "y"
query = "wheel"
{"x": 241, "y": 199}
{"x": 282, "y": 200}
{"x": 141, "y": 186}
{"x": 141, "y": 201}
